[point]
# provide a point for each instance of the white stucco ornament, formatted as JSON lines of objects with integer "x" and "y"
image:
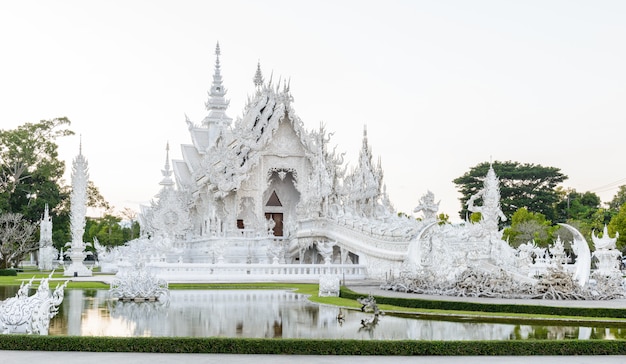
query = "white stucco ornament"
{"x": 31, "y": 314}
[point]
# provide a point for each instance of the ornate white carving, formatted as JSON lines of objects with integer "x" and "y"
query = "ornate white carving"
{"x": 31, "y": 314}
{"x": 47, "y": 253}
{"x": 138, "y": 284}
{"x": 329, "y": 285}
{"x": 78, "y": 208}
{"x": 428, "y": 206}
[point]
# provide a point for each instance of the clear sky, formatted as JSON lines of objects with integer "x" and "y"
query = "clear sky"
{"x": 441, "y": 85}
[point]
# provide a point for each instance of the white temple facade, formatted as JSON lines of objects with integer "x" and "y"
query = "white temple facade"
{"x": 261, "y": 196}
{"x": 262, "y": 189}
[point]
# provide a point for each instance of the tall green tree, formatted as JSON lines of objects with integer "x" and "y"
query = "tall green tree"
{"x": 521, "y": 185}
{"x": 30, "y": 170}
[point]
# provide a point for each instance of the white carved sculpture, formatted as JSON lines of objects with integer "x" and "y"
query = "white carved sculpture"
{"x": 329, "y": 285}
{"x": 78, "y": 209}
{"x": 31, "y": 314}
{"x": 325, "y": 249}
{"x": 428, "y": 206}
{"x": 47, "y": 253}
{"x": 490, "y": 210}
{"x": 583, "y": 256}
{"x": 137, "y": 284}
{"x": 607, "y": 254}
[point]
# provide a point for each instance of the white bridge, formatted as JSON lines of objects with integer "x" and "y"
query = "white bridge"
{"x": 356, "y": 251}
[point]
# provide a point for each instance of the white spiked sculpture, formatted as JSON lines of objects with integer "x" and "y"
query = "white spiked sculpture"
{"x": 47, "y": 253}
{"x": 78, "y": 208}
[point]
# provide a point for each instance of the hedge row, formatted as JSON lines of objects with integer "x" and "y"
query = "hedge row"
{"x": 311, "y": 347}
{"x": 490, "y": 307}
{"x": 8, "y": 272}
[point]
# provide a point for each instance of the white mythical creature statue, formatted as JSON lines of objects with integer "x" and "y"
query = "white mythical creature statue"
{"x": 325, "y": 248}
{"x": 428, "y": 206}
{"x": 31, "y": 314}
{"x": 490, "y": 210}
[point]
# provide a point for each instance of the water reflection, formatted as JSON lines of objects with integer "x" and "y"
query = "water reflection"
{"x": 274, "y": 314}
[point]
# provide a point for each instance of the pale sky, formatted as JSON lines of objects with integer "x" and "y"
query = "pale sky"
{"x": 441, "y": 85}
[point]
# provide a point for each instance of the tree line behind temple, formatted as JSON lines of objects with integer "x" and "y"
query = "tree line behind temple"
{"x": 31, "y": 176}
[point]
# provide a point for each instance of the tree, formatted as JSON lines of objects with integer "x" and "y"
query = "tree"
{"x": 619, "y": 199}
{"x": 17, "y": 238}
{"x": 107, "y": 229}
{"x": 30, "y": 171}
{"x": 618, "y": 224}
{"x": 134, "y": 229}
{"x": 576, "y": 206}
{"x": 521, "y": 185}
{"x": 528, "y": 226}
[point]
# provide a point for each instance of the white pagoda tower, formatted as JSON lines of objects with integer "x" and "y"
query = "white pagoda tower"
{"x": 78, "y": 209}
{"x": 47, "y": 253}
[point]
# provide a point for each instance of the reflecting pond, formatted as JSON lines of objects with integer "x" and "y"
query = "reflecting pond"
{"x": 274, "y": 314}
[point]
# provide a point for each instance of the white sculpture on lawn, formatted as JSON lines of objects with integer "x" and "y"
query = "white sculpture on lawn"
{"x": 609, "y": 258}
{"x": 47, "y": 253}
{"x": 264, "y": 196}
{"x": 31, "y": 314}
{"x": 78, "y": 209}
{"x": 138, "y": 284}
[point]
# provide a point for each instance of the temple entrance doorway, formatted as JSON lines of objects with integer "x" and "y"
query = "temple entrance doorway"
{"x": 280, "y": 199}
{"x": 278, "y": 221}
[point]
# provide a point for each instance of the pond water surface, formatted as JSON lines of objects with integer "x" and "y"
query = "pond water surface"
{"x": 274, "y": 314}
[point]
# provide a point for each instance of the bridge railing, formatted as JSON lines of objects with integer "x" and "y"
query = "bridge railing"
{"x": 254, "y": 272}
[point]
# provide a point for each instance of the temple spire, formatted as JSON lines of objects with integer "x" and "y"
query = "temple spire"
{"x": 217, "y": 104}
{"x": 258, "y": 76}
{"x": 167, "y": 181}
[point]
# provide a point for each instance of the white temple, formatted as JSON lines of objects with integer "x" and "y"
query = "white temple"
{"x": 261, "y": 197}
{"x": 264, "y": 190}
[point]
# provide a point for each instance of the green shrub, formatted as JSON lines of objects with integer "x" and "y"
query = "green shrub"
{"x": 490, "y": 307}
{"x": 311, "y": 347}
{"x": 8, "y": 272}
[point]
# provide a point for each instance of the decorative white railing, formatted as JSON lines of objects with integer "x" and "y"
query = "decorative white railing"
{"x": 355, "y": 240}
{"x": 253, "y": 272}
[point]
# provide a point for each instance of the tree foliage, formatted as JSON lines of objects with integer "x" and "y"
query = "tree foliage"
{"x": 619, "y": 199}
{"x": 527, "y": 227}
{"x": 576, "y": 206}
{"x": 30, "y": 170}
{"x": 521, "y": 185}
{"x": 618, "y": 225}
{"x": 110, "y": 230}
